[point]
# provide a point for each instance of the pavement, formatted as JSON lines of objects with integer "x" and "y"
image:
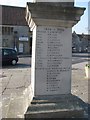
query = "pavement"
{"x": 81, "y": 54}
{"x": 15, "y": 81}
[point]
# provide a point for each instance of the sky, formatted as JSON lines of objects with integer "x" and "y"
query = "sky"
{"x": 79, "y": 28}
{"x": 83, "y": 24}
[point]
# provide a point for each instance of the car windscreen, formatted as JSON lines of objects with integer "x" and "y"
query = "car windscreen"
{"x": 6, "y": 52}
{"x": 13, "y": 52}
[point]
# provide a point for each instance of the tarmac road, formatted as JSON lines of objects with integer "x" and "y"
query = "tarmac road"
{"x": 80, "y": 57}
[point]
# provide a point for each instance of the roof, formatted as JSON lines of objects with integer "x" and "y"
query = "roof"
{"x": 12, "y": 15}
{"x": 86, "y": 36}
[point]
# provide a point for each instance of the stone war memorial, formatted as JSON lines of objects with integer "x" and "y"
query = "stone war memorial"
{"x": 51, "y": 22}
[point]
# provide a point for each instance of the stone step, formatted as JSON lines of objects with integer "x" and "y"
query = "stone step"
{"x": 61, "y": 109}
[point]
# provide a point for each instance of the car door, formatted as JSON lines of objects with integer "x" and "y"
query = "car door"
{"x": 6, "y": 56}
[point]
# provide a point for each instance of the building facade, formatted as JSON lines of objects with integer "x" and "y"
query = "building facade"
{"x": 80, "y": 42}
{"x": 15, "y": 32}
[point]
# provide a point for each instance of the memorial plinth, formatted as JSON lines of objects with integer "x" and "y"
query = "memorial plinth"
{"x": 51, "y": 23}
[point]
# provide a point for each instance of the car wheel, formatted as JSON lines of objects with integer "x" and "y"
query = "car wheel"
{"x": 14, "y": 62}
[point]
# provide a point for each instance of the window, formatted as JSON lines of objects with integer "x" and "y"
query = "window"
{"x": 11, "y": 29}
{"x": 3, "y": 30}
{"x": 7, "y": 52}
{"x": 13, "y": 52}
{"x": 7, "y": 30}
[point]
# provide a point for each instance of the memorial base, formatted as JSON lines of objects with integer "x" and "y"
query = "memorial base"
{"x": 63, "y": 106}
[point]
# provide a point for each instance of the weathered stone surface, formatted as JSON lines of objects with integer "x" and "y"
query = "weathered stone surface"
{"x": 53, "y": 14}
{"x": 65, "y": 106}
{"x": 64, "y": 2}
{"x": 51, "y": 50}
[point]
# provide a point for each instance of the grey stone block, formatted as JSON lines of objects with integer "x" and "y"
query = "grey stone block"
{"x": 64, "y": 106}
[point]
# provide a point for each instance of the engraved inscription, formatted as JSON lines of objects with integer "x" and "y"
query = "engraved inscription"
{"x": 51, "y": 57}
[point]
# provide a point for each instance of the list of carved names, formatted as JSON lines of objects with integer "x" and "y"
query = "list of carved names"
{"x": 51, "y": 57}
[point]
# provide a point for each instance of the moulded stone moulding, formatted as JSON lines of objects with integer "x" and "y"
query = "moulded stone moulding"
{"x": 36, "y": 13}
{"x": 53, "y": 0}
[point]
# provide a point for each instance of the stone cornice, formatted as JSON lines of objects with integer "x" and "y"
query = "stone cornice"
{"x": 43, "y": 13}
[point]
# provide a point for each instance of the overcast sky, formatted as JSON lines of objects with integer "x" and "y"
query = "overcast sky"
{"x": 80, "y": 28}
